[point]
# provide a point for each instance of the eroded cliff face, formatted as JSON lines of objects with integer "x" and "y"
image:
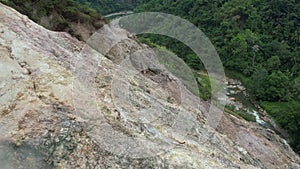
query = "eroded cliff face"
{"x": 67, "y": 105}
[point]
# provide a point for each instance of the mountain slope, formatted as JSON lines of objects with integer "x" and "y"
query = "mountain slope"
{"x": 61, "y": 15}
{"x": 58, "y": 104}
{"x": 258, "y": 42}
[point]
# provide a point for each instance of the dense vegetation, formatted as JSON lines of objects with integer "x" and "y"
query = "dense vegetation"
{"x": 110, "y": 6}
{"x": 258, "y": 42}
{"x": 258, "y": 38}
{"x": 59, "y": 15}
{"x": 287, "y": 115}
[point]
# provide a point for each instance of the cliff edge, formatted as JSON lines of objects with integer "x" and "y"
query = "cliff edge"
{"x": 64, "y": 104}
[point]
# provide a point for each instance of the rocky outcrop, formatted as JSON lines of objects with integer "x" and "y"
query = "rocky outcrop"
{"x": 65, "y": 104}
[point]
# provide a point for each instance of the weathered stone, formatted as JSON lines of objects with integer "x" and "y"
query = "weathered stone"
{"x": 65, "y": 108}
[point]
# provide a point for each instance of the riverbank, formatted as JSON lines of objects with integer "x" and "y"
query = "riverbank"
{"x": 239, "y": 103}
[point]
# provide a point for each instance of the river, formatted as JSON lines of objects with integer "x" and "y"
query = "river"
{"x": 239, "y": 100}
{"x": 119, "y": 13}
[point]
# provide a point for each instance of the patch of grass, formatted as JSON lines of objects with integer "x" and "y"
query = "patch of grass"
{"x": 204, "y": 85}
{"x": 148, "y": 42}
{"x": 242, "y": 114}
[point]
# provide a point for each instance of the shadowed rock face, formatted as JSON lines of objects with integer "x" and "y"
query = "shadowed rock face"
{"x": 24, "y": 156}
{"x": 65, "y": 105}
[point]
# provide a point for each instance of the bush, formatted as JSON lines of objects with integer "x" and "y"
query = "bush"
{"x": 287, "y": 115}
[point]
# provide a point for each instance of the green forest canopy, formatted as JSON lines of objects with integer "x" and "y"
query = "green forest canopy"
{"x": 110, "y": 6}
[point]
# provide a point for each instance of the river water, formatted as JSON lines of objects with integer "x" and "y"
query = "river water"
{"x": 237, "y": 96}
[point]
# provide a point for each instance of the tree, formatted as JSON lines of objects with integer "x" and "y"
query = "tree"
{"x": 277, "y": 87}
{"x": 273, "y": 63}
{"x": 296, "y": 88}
{"x": 244, "y": 48}
{"x": 260, "y": 76}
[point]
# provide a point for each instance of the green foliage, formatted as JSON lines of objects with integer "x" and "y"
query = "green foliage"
{"x": 258, "y": 88}
{"x": 238, "y": 75}
{"x": 273, "y": 63}
{"x": 59, "y": 14}
{"x": 177, "y": 47}
{"x": 258, "y": 42}
{"x": 287, "y": 114}
{"x": 109, "y": 6}
{"x": 204, "y": 85}
{"x": 249, "y": 35}
{"x": 270, "y": 87}
{"x": 243, "y": 114}
{"x": 244, "y": 44}
{"x": 296, "y": 87}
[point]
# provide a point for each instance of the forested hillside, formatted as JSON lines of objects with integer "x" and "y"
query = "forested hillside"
{"x": 258, "y": 42}
{"x": 110, "y": 6}
{"x": 60, "y": 15}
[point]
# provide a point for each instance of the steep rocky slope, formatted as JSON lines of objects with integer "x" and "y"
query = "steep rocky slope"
{"x": 62, "y": 106}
